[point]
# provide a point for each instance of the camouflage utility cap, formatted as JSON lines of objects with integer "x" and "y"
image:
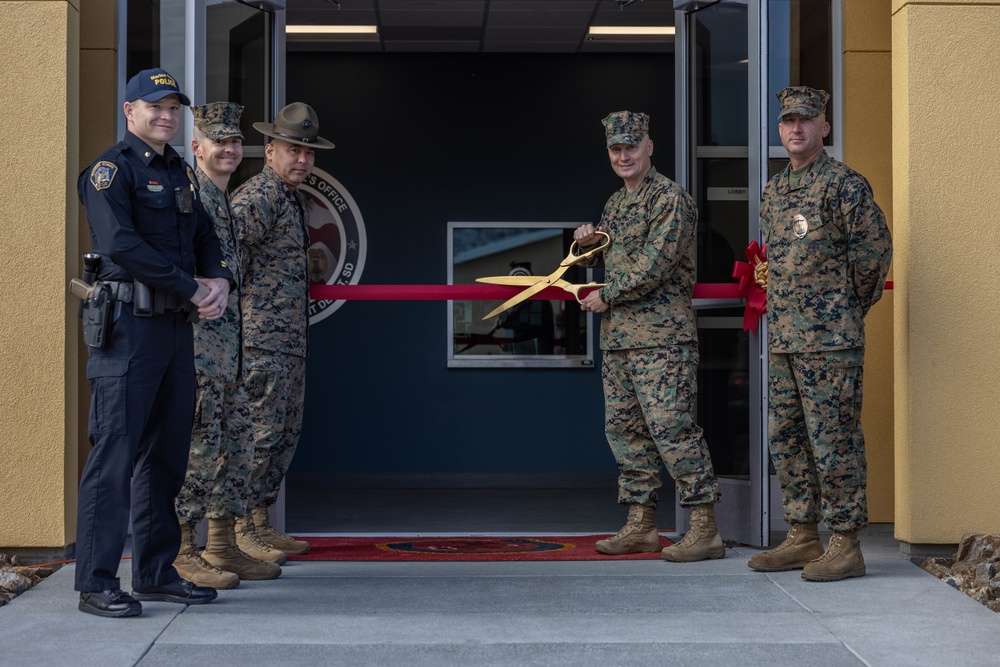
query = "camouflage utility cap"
{"x": 218, "y": 120}
{"x": 803, "y": 101}
{"x": 296, "y": 123}
{"x": 625, "y": 127}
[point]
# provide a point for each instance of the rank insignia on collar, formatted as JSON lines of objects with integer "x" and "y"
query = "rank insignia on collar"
{"x": 103, "y": 174}
{"x": 800, "y": 226}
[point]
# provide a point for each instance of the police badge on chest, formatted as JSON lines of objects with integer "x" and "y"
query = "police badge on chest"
{"x": 800, "y": 226}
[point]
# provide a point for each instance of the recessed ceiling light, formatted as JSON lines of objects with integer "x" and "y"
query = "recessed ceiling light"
{"x": 331, "y": 29}
{"x": 631, "y": 30}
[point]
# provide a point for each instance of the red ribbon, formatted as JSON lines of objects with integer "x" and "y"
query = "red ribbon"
{"x": 748, "y": 288}
{"x": 476, "y": 292}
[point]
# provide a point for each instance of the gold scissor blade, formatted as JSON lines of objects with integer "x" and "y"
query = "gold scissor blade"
{"x": 516, "y": 281}
{"x": 527, "y": 293}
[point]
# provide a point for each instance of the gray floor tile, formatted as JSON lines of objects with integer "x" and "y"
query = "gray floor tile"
{"x": 520, "y": 613}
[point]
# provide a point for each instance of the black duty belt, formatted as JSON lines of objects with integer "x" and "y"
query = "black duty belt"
{"x": 120, "y": 290}
{"x": 126, "y": 291}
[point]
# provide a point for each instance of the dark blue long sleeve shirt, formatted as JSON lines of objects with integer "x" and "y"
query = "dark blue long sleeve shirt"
{"x": 135, "y": 226}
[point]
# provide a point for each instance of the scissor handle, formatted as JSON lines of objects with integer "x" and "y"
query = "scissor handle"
{"x": 575, "y": 289}
{"x": 573, "y": 258}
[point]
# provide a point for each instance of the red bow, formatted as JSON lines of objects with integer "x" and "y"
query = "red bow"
{"x": 753, "y": 284}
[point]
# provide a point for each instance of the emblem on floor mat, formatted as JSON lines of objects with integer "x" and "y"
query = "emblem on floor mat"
{"x": 465, "y": 545}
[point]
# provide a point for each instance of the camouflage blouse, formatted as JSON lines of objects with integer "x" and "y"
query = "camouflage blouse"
{"x": 828, "y": 252}
{"x": 217, "y": 345}
{"x": 649, "y": 267}
{"x": 271, "y": 225}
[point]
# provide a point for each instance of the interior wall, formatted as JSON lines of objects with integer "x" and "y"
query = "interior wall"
{"x": 421, "y": 140}
{"x": 947, "y": 238}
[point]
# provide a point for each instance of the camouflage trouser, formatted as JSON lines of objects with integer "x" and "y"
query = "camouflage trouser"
{"x": 649, "y": 402}
{"x": 217, "y": 483}
{"x": 276, "y": 384}
{"x": 814, "y": 434}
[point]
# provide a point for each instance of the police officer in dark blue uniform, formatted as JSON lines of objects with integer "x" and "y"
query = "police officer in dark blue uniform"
{"x": 153, "y": 238}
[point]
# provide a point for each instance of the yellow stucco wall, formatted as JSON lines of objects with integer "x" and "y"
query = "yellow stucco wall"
{"x": 38, "y": 447}
{"x": 945, "y": 56}
{"x": 867, "y": 104}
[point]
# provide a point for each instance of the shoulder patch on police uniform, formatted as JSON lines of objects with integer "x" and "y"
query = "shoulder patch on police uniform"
{"x": 103, "y": 174}
{"x": 192, "y": 178}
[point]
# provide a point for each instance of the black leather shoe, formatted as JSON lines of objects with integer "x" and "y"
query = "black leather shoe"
{"x": 182, "y": 591}
{"x": 112, "y": 603}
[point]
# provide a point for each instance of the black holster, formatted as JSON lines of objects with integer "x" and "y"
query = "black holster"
{"x": 97, "y": 317}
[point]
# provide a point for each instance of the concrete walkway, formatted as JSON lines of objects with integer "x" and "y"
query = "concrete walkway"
{"x": 525, "y": 613}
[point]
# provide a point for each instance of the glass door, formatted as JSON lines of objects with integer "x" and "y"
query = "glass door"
{"x": 218, "y": 50}
{"x": 244, "y": 62}
{"x": 719, "y": 162}
{"x": 732, "y": 57}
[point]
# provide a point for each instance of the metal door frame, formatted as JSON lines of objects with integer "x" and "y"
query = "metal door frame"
{"x": 195, "y": 49}
{"x": 758, "y": 490}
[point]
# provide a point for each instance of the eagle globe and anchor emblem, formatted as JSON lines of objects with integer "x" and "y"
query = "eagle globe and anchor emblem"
{"x": 337, "y": 240}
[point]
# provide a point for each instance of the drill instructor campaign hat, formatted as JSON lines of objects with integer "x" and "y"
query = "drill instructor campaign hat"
{"x": 297, "y": 123}
{"x": 218, "y": 120}
{"x": 802, "y": 101}
{"x": 151, "y": 85}
{"x": 625, "y": 127}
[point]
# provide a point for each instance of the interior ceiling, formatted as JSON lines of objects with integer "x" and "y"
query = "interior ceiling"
{"x": 536, "y": 26}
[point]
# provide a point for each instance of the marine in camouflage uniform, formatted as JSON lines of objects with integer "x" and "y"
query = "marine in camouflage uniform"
{"x": 650, "y": 345}
{"x": 272, "y": 226}
{"x": 217, "y": 482}
{"x": 828, "y": 248}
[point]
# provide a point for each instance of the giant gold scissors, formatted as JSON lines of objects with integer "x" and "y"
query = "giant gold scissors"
{"x": 536, "y": 284}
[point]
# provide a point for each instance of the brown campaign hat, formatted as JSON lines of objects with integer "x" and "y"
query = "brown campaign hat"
{"x": 297, "y": 123}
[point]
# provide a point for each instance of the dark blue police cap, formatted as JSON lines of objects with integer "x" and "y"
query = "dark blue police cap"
{"x": 150, "y": 85}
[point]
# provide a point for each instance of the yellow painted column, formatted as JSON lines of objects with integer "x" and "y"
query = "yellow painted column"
{"x": 867, "y": 107}
{"x": 945, "y": 112}
{"x": 38, "y": 223}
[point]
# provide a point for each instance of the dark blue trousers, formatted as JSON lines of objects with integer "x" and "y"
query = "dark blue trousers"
{"x": 141, "y": 410}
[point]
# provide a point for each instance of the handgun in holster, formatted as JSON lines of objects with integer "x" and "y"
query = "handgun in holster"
{"x": 97, "y": 316}
{"x": 91, "y": 262}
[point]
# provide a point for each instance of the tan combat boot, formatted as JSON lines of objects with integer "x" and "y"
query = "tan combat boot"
{"x": 702, "y": 540}
{"x": 222, "y": 552}
{"x": 841, "y": 560}
{"x": 801, "y": 546}
{"x": 250, "y": 543}
{"x": 277, "y": 540}
{"x": 638, "y": 535}
{"x": 191, "y": 566}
